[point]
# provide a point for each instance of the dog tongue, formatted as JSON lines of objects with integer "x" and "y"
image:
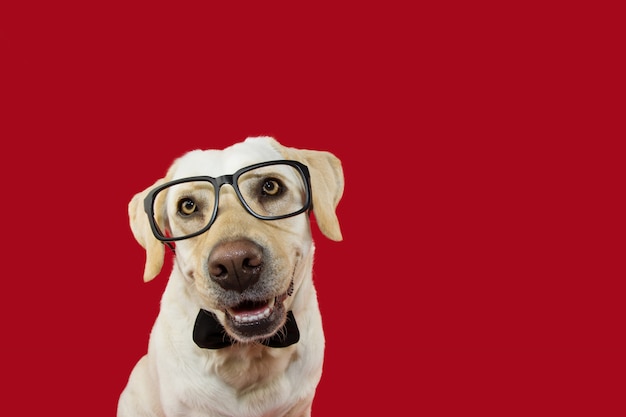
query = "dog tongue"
{"x": 250, "y": 307}
{"x": 248, "y": 313}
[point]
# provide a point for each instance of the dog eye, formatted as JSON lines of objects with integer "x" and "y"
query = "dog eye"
{"x": 272, "y": 187}
{"x": 187, "y": 207}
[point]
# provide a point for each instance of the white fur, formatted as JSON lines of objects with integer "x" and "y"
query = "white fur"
{"x": 176, "y": 377}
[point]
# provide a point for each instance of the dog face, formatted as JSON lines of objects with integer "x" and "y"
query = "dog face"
{"x": 255, "y": 253}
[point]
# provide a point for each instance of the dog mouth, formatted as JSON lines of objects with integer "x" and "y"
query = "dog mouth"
{"x": 249, "y": 311}
{"x": 256, "y": 319}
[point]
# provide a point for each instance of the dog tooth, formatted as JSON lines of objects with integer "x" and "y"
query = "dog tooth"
{"x": 248, "y": 318}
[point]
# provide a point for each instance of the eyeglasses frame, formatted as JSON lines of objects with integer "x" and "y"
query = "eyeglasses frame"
{"x": 148, "y": 202}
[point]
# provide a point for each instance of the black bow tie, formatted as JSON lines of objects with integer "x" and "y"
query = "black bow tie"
{"x": 208, "y": 333}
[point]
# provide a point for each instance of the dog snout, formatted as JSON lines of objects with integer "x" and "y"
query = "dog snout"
{"x": 236, "y": 265}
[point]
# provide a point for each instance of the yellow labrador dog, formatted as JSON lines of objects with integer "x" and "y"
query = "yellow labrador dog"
{"x": 239, "y": 331}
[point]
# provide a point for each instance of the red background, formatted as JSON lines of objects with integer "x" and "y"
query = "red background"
{"x": 482, "y": 263}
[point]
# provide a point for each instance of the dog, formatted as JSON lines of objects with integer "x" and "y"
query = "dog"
{"x": 239, "y": 330}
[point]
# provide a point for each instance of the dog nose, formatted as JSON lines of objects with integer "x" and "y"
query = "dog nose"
{"x": 236, "y": 265}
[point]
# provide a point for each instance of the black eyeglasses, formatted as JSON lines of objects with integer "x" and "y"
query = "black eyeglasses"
{"x": 269, "y": 191}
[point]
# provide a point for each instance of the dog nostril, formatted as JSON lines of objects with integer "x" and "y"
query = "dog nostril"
{"x": 218, "y": 271}
{"x": 251, "y": 263}
{"x": 236, "y": 265}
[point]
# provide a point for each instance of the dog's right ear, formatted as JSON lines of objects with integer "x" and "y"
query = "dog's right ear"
{"x": 155, "y": 250}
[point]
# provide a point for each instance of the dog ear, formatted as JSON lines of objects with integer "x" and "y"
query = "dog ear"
{"x": 155, "y": 250}
{"x": 327, "y": 183}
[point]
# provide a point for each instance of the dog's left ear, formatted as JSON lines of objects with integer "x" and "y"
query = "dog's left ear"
{"x": 327, "y": 185}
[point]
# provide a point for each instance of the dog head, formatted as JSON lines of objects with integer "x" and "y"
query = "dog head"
{"x": 247, "y": 250}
